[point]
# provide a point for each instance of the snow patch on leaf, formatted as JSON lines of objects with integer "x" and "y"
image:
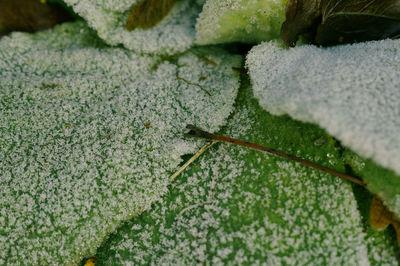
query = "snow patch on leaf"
{"x": 90, "y": 135}
{"x": 352, "y": 91}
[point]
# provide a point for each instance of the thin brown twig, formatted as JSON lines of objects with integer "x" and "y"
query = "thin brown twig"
{"x": 196, "y": 132}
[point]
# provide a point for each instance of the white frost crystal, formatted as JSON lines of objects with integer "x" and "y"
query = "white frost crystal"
{"x": 352, "y": 91}
{"x": 90, "y": 135}
{"x": 248, "y": 21}
{"x": 174, "y": 34}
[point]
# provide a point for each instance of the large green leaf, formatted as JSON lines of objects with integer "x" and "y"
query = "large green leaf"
{"x": 240, "y": 206}
{"x": 90, "y": 135}
{"x": 247, "y": 21}
{"x": 352, "y": 91}
{"x": 174, "y": 34}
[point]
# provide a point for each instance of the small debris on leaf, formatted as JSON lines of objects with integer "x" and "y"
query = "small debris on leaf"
{"x": 207, "y": 60}
{"x": 91, "y": 262}
{"x": 380, "y": 217}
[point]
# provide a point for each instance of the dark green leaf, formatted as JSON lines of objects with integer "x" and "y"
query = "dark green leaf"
{"x": 357, "y": 21}
{"x": 330, "y": 22}
{"x": 301, "y": 18}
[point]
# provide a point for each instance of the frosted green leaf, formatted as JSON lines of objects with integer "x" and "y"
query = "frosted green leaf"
{"x": 240, "y": 206}
{"x": 352, "y": 91}
{"x": 90, "y": 135}
{"x": 174, "y": 34}
{"x": 247, "y": 21}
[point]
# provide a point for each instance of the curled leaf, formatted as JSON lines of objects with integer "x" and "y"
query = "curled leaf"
{"x": 148, "y": 13}
{"x": 330, "y": 22}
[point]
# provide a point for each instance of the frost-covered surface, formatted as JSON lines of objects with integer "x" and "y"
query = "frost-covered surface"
{"x": 174, "y": 34}
{"x": 240, "y": 206}
{"x": 114, "y": 5}
{"x": 352, "y": 91}
{"x": 248, "y": 21}
{"x": 90, "y": 135}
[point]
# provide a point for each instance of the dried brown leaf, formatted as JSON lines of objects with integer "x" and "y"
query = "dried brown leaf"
{"x": 148, "y": 13}
{"x": 380, "y": 217}
{"x": 29, "y": 15}
{"x": 330, "y": 22}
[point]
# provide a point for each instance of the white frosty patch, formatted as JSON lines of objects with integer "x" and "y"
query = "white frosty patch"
{"x": 352, "y": 91}
{"x": 90, "y": 135}
{"x": 114, "y": 5}
{"x": 248, "y": 21}
{"x": 174, "y": 34}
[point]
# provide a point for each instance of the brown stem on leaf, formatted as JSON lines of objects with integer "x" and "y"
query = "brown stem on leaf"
{"x": 196, "y": 132}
